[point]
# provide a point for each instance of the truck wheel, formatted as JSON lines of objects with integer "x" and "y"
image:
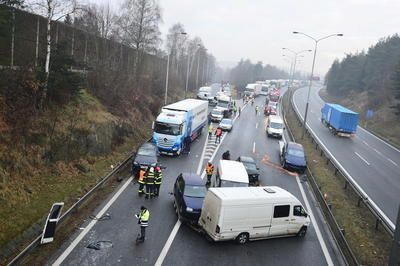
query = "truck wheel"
{"x": 302, "y": 232}
{"x": 242, "y": 238}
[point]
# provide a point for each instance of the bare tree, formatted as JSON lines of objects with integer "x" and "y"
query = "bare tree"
{"x": 138, "y": 27}
{"x": 53, "y": 10}
{"x": 95, "y": 19}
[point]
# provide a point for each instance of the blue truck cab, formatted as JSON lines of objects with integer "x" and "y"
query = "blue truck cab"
{"x": 340, "y": 120}
{"x": 178, "y": 124}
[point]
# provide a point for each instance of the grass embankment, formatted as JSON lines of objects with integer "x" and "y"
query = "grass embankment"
{"x": 26, "y": 199}
{"x": 371, "y": 247}
{"x": 384, "y": 122}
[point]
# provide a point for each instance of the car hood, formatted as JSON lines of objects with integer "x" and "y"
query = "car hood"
{"x": 194, "y": 203}
{"x": 295, "y": 160}
{"x": 145, "y": 160}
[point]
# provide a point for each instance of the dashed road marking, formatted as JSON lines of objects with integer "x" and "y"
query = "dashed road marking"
{"x": 378, "y": 152}
{"x": 365, "y": 161}
{"x": 392, "y": 162}
{"x": 254, "y": 147}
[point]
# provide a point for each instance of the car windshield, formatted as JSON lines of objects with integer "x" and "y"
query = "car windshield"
{"x": 226, "y": 122}
{"x": 146, "y": 151}
{"x": 276, "y": 125}
{"x": 195, "y": 191}
{"x": 168, "y": 129}
{"x": 296, "y": 153}
{"x": 223, "y": 104}
{"x": 250, "y": 166}
{"x": 216, "y": 112}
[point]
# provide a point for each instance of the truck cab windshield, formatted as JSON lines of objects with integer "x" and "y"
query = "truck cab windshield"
{"x": 167, "y": 129}
{"x": 223, "y": 104}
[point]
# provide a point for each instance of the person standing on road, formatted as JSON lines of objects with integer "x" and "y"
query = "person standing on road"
{"x": 210, "y": 130}
{"x": 226, "y": 155}
{"x": 218, "y": 134}
{"x": 143, "y": 220}
{"x": 209, "y": 172}
{"x": 239, "y": 110}
{"x": 157, "y": 181}
{"x": 234, "y": 110}
{"x": 149, "y": 182}
{"x": 141, "y": 181}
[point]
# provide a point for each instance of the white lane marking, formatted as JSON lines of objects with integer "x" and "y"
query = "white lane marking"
{"x": 254, "y": 147}
{"x": 71, "y": 247}
{"x": 365, "y": 142}
{"x": 175, "y": 230}
{"x": 168, "y": 244}
{"x": 365, "y": 161}
{"x": 378, "y": 152}
{"x": 381, "y": 140}
{"x": 316, "y": 227}
{"x": 392, "y": 162}
{"x": 256, "y": 125}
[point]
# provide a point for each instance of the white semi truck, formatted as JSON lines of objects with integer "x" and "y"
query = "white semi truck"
{"x": 179, "y": 123}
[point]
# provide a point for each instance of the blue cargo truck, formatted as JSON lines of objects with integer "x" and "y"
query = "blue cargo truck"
{"x": 179, "y": 123}
{"x": 340, "y": 120}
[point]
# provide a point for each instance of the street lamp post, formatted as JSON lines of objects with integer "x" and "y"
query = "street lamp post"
{"x": 296, "y": 54}
{"x": 167, "y": 75}
{"x": 316, "y": 41}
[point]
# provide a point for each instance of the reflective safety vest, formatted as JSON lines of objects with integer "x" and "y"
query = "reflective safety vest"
{"x": 210, "y": 169}
{"x": 210, "y": 128}
{"x": 149, "y": 178}
{"x": 144, "y": 217}
{"x": 158, "y": 177}
{"x": 141, "y": 176}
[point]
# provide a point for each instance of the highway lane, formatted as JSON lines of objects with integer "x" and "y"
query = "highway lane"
{"x": 188, "y": 247}
{"x": 372, "y": 163}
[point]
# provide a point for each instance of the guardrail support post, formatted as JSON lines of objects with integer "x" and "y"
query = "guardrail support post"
{"x": 336, "y": 171}
{"x": 345, "y": 184}
{"x": 378, "y": 221}
{"x": 327, "y": 161}
{"x": 322, "y": 153}
{"x": 359, "y": 201}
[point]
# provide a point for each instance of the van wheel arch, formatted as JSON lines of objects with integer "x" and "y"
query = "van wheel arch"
{"x": 242, "y": 238}
{"x": 302, "y": 232}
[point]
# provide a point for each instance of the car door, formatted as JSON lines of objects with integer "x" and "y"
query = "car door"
{"x": 280, "y": 220}
{"x": 179, "y": 192}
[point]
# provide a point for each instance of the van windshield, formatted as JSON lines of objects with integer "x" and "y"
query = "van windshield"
{"x": 223, "y": 104}
{"x": 167, "y": 129}
{"x": 275, "y": 125}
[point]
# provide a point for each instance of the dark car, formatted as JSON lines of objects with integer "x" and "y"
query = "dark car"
{"x": 293, "y": 157}
{"x": 145, "y": 156}
{"x": 189, "y": 193}
{"x": 251, "y": 168}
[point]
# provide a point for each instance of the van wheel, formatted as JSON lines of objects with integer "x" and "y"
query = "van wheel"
{"x": 242, "y": 238}
{"x": 302, "y": 232}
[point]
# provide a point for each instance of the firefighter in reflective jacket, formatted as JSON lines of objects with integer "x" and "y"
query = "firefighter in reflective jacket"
{"x": 149, "y": 182}
{"x": 209, "y": 172}
{"x": 158, "y": 180}
{"x": 141, "y": 181}
{"x": 143, "y": 220}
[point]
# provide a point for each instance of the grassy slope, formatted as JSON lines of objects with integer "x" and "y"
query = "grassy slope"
{"x": 384, "y": 122}
{"x": 27, "y": 199}
{"x": 371, "y": 247}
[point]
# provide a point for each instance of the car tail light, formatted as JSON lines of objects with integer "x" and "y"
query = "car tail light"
{"x": 217, "y": 229}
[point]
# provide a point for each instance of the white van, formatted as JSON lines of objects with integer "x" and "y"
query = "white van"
{"x": 204, "y": 93}
{"x": 231, "y": 174}
{"x": 275, "y": 126}
{"x": 252, "y": 213}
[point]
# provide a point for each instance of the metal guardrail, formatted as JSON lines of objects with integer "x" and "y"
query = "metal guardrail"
{"x": 381, "y": 218}
{"x": 75, "y": 206}
{"x": 330, "y": 218}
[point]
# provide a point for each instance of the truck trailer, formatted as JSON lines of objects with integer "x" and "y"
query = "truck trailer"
{"x": 340, "y": 120}
{"x": 179, "y": 123}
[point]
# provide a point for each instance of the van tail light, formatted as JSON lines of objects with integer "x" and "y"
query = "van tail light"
{"x": 217, "y": 229}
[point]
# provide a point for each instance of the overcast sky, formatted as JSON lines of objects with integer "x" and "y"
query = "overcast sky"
{"x": 258, "y": 29}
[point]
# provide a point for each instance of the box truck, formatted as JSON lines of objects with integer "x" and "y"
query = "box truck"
{"x": 252, "y": 213}
{"x": 340, "y": 120}
{"x": 179, "y": 123}
{"x": 252, "y": 90}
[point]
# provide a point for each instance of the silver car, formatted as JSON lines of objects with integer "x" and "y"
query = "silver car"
{"x": 226, "y": 124}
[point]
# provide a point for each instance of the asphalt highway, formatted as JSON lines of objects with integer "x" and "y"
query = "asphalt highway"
{"x": 169, "y": 242}
{"x": 372, "y": 163}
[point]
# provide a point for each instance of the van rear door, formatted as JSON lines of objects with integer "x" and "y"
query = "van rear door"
{"x": 210, "y": 213}
{"x": 280, "y": 220}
